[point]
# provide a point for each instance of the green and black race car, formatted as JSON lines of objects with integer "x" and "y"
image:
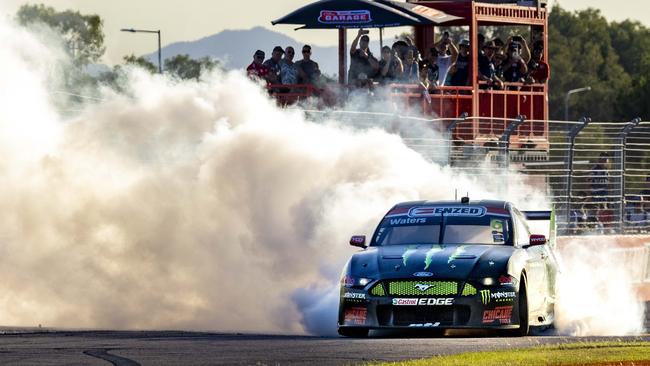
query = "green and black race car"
{"x": 442, "y": 265}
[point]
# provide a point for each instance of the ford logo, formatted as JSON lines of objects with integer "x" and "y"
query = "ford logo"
{"x": 422, "y": 274}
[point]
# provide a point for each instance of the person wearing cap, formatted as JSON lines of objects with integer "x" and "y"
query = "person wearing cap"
{"x": 538, "y": 69}
{"x": 514, "y": 67}
{"x": 361, "y": 59}
{"x": 460, "y": 71}
{"x": 487, "y": 68}
{"x": 447, "y": 56}
{"x": 273, "y": 64}
{"x": 256, "y": 69}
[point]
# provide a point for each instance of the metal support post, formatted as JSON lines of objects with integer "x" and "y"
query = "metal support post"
{"x": 623, "y": 138}
{"x": 575, "y": 130}
{"x": 504, "y": 140}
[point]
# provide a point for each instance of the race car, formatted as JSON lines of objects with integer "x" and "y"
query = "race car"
{"x": 450, "y": 265}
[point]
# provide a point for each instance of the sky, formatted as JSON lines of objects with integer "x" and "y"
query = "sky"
{"x": 188, "y": 20}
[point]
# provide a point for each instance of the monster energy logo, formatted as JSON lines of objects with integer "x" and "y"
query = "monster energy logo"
{"x": 485, "y": 296}
{"x": 429, "y": 256}
{"x": 459, "y": 251}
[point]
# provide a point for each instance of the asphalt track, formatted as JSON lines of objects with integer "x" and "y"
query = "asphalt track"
{"x": 130, "y": 348}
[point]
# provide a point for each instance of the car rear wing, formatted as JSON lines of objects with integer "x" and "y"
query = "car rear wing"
{"x": 537, "y": 215}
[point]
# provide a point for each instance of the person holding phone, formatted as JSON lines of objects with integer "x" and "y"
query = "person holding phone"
{"x": 447, "y": 56}
{"x": 362, "y": 61}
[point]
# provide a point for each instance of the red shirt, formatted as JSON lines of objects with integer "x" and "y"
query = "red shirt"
{"x": 257, "y": 70}
{"x": 543, "y": 72}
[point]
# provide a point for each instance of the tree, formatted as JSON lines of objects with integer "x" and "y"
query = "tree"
{"x": 141, "y": 62}
{"x": 184, "y": 67}
{"x": 82, "y": 34}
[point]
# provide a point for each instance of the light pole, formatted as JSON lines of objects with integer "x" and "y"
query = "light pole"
{"x": 149, "y": 31}
{"x": 568, "y": 95}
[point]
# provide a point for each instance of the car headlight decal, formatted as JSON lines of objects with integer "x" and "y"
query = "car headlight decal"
{"x": 378, "y": 290}
{"x": 468, "y": 290}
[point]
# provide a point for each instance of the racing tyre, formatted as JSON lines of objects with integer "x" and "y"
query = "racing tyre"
{"x": 354, "y": 332}
{"x": 524, "y": 327}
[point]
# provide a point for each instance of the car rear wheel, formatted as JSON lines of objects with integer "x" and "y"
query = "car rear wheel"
{"x": 355, "y": 332}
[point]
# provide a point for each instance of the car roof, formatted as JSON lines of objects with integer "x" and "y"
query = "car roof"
{"x": 486, "y": 203}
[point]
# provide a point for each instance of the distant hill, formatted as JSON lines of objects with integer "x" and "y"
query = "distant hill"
{"x": 235, "y": 48}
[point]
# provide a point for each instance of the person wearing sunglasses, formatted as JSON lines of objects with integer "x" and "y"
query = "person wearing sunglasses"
{"x": 308, "y": 70}
{"x": 288, "y": 68}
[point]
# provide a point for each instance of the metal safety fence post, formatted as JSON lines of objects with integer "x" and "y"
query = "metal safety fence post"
{"x": 573, "y": 133}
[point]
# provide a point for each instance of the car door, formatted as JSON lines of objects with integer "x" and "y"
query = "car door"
{"x": 535, "y": 266}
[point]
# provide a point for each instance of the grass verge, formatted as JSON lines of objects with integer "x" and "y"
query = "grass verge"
{"x": 582, "y": 353}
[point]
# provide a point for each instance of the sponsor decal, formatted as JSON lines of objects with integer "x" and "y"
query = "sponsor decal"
{"x": 429, "y": 257}
{"x": 422, "y": 274}
{"x": 344, "y": 16}
{"x": 501, "y": 296}
{"x": 459, "y": 251}
{"x": 423, "y": 302}
{"x": 502, "y": 314}
{"x": 485, "y": 296}
{"x": 496, "y": 225}
{"x": 426, "y": 325}
{"x": 408, "y": 252}
{"x": 407, "y": 221}
{"x": 422, "y": 287}
{"x": 507, "y": 280}
{"x": 428, "y": 211}
{"x": 354, "y": 295}
{"x": 347, "y": 281}
{"x": 355, "y": 316}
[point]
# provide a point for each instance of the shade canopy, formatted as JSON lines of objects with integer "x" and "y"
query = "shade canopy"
{"x": 328, "y": 14}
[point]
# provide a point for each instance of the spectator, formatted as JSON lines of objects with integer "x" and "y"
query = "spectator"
{"x": 361, "y": 59}
{"x": 273, "y": 64}
{"x": 486, "y": 67}
{"x": 447, "y": 56}
{"x": 606, "y": 217}
{"x": 400, "y": 47}
{"x": 520, "y": 42}
{"x": 538, "y": 70}
{"x": 411, "y": 73}
{"x": 256, "y": 69}
{"x": 599, "y": 179}
{"x": 460, "y": 71}
{"x": 481, "y": 42}
{"x": 577, "y": 215}
{"x": 390, "y": 66}
{"x": 430, "y": 71}
{"x": 288, "y": 68}
{"x": 308, "y": 70}
{"x": 645, "y": 193}
{"x": 411, "y": 46}
{"x": 514, "y": 69}
{"x": 634, "y": 214}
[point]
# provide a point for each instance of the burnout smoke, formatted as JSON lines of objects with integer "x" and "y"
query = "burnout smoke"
{"x": 195, "y": 205}
{"x": 596, "y": 289}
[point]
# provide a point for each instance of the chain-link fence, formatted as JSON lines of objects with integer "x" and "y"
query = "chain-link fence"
{"x": 596, "y": 174}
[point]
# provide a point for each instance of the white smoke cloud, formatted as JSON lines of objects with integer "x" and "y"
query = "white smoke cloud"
{"x": 194, "y": 205}
{"x": 596, "y": 291}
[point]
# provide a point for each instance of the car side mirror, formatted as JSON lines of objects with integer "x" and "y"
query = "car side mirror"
{"x": 358, "y": 241}
{"x": 536, "y": 239}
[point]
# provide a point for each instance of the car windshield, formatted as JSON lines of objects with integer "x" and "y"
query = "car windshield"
{"x": 485, "y": 229}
